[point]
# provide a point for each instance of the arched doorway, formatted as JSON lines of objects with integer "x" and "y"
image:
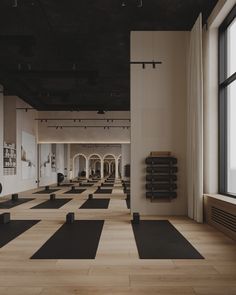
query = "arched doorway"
{"x": 110, "y": 159}
{"x": 94, "y": 165}
{"x": 79, "y": 165}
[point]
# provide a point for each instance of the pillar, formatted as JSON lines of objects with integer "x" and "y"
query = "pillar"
{"x": 102, "y": 168}
{"x": 116, "y": 169}
{"x": 125, "y": 157}
{"x": 87, "y": 167}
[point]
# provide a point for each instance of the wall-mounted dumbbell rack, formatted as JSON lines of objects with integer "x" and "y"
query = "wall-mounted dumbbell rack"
{"x": 161, "y": 178}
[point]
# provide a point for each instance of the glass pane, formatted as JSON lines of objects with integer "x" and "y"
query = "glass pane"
{"x": 231, "y": 39}
{"x": 231, "y": 95}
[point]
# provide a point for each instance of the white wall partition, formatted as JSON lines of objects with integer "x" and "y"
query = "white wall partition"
{"x": 25, "y": 122}
{"x": 158, "y": 113}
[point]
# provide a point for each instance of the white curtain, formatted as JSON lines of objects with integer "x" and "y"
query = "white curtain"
{"x": 195, "y": 124}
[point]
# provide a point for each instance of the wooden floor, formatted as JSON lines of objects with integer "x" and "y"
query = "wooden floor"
{"x": 117, "y": 268}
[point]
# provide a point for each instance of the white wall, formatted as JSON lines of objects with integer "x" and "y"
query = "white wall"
{"x": 1, "y": 135}
{"x": 24, "y": 122}
{"x": 47, "y": 176}
{"x": 81, "y": 135}
{"x": 158, "y": 113}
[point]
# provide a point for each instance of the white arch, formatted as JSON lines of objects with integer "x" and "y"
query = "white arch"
{"x": 79, "y": 154}
{"x": 109, "y": 154}
{"x": 119, "y": 157}
{"x": 91, "y": 155}
{"x": 73, "y": 161}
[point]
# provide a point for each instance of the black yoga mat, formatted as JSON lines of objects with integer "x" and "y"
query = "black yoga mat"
{"x": 107, "y": 184}
{"x": 52, "y": 204}
{"x": 159, "y": 239}
{"x": 86, "y": 184}
{"x": 75, "y": 191}
{"x": 50, "y": 191}
{"x": 103, "y": 191}
{"x": 78, "y": 240}
{"x": 96, "y": 204}
{"x": 10, "y": 204}
{"x": 65, "y": 184}
{"x": 10, "y": 231}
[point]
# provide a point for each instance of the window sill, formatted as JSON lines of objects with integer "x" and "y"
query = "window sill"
{"x": 222, "y": 198}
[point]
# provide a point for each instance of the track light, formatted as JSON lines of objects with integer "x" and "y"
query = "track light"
{"x": 143, "y": 65}
{"x": 101, "y": 112}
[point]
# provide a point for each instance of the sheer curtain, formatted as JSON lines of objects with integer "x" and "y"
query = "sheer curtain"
{"x": 195, "y": 124}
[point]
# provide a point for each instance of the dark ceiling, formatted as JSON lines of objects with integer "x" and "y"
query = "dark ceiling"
{"x": 74, "y": 54}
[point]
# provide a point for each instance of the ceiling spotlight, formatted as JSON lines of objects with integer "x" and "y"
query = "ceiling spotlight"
{"x": 101, "y": 112}
{"x": 14, "y": 3}
{"x": 123, "y": 4}
{"x": 153, "y": 65}
{"x": 140, "y": 3}
{"x": 61, "y": 127}
{"x": 143, "y": 65}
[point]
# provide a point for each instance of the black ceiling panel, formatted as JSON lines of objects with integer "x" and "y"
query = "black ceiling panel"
{"x": 60, "y": 54}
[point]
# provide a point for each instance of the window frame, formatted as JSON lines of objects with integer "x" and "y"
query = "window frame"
{"x": 224, "y": 82}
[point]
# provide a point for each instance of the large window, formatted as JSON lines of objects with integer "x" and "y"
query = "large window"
{"x": 227, "y": 105}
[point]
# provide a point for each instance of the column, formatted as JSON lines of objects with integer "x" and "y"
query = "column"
{"x": 87, "y": 168}
{"x": 102, "y": 168}
{"x": 125, "y": 157}
{"x": 116, "y": 169}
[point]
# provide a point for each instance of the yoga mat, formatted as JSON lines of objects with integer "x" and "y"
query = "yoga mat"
{"x": 103, "y": 191}
{"x": 108, "y": 185}
{"x": 78, "y": 240}
{"x": 10, "y": 204}
{"x": 65, "y": 184}
{"x": 86, "y": 184}
{"x": 52, "y": 204}
{"x": 10, "y": 231}
{"x": 76, "y": 191}
{"x": 159, "y": 239}
{"x": 96, "y": 204}
{"x": 50, "y": 191}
